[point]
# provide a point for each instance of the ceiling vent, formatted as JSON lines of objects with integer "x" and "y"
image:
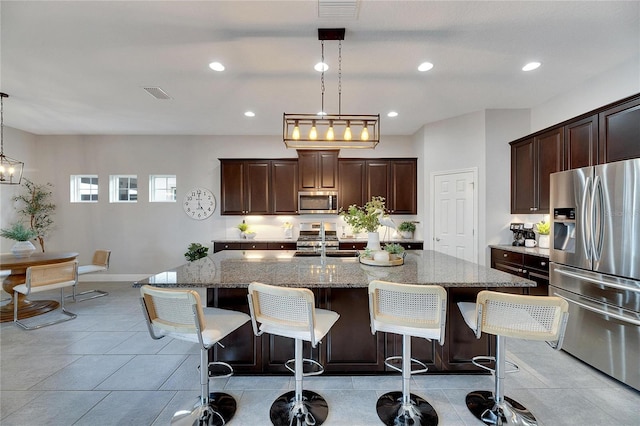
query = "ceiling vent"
{"x": 338, "y": 9}
{"x": 157, "y": 92}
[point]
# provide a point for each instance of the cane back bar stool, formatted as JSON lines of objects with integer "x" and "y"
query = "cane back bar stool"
{"x": 510, "y": 315}
{"x": 99, "y": 263}
{"x": 179, "y": 314}
{"x": 291, "y": 312}
{"x": 409, "y": 310}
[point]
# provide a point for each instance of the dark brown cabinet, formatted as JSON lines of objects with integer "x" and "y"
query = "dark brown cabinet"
{"x": 532, "y": 162}
{"x": 360, "y": 245}
{"x": 620, "y": 132}
{"x": 581, "y": 143}
{"x": 318, "y": 170}
{"x": 535, "y": 268}
{"x": 253, "y": 245}
{"x": 258, "y": 187}
{"x": 351, "y": 183}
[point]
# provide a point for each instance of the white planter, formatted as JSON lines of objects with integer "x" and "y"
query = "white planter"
{"x": 381, "y": 256}
{"x": 23, "y": 249}
{"x": 406, "y": 234}
{"x": 543, "y": 241}
{"x": 373, "y": 241}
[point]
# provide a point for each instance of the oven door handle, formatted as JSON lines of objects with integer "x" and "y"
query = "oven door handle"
{"x": 600, "y": 311}
{"x": 603, "y": 282}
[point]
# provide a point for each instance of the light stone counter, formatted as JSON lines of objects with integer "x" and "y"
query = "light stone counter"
{"x": 236, "y": 269}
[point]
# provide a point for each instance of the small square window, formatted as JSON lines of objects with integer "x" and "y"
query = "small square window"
{"x": 162, "y": 188}
{"x": 123, "y": 188}
{"x": 84, "y": 189}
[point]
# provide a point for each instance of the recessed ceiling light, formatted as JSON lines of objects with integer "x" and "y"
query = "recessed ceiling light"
{"x": 216, "y": 66}
{"x": 425, "y": 66}
{"x": 250, "y": 114}
{"x": 392, "y": 114}
{"x": 531, "y": 66}
{"x": 321, "y": 66}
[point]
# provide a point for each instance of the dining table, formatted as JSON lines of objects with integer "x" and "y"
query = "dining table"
{"x": 18, "y": 271}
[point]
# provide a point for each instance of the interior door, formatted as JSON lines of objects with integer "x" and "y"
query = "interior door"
{"x": 454, "y": 214}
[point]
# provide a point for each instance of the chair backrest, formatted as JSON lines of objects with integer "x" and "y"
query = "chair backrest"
{"x": 101, "y": 258}
{"x": 174, "y": 310}
{"x": 51, "y": 274}
{"x": 406, "y": 306}
{"x": 282, "y": 307}
{"x": 523, "y": 317}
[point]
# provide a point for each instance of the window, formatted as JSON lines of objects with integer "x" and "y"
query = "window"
{"x": 123, "y": 188}
{"x": 84, "y": 189}
{"x": 162, "y": 188}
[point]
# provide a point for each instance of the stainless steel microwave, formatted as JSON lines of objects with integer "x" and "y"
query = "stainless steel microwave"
{"x": 317, "y": 202}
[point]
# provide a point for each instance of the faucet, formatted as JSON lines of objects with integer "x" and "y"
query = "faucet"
{"x": 323, "y": 245}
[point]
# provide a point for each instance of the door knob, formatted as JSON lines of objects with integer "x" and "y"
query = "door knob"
{"x": 437, "y": 239}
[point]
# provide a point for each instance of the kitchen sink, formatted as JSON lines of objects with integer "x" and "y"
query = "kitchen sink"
{"x": 329, "y": 253}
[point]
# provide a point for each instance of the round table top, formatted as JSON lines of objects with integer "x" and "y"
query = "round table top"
{"x": 9, "y": 261}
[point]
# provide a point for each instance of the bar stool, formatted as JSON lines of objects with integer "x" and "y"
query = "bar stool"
{"x": 179, "y": 314}
{"x": 510, "y": 315}
{"x": 291, "y": 312}
{"x": 409, "y": 310}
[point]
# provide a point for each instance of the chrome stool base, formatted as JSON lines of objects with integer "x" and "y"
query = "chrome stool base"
{"x": 217, "y": 412}
{"x": 313, "y": 412}
{"x": 392, "y": 413}
{"x": 510, "y": 412}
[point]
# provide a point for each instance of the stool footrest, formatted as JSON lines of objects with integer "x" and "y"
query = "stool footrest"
{"x": 305, "y": 361}
{"x": 388, "y": 363}
{"x": 214, "y": 375}
{"x": 476, "y": 360}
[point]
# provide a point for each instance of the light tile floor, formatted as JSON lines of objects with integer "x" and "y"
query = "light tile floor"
{"x": 103, "y": 369}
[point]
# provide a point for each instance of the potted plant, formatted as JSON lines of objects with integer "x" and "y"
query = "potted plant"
{"x": 406, "y": 229}
{"x": 366, "y": 218}
{"x": 244, "y": 229}
{"x": 37, "y": 208}
{"x": 543, "y": 228}
{"x": 196, "y": 251}
{"x": 21, "y": 234}
{"x": 395, "y": 250}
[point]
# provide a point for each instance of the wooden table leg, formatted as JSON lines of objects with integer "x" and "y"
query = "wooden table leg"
{"x": 26, "y": 308}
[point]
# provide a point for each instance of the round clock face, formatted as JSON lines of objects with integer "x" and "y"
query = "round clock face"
{"x": 199, "y": 203}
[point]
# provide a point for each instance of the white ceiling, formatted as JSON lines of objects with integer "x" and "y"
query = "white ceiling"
{"x": 79, "y": 67}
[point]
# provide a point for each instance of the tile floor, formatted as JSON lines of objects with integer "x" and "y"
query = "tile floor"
{"x": 103, "y": 369}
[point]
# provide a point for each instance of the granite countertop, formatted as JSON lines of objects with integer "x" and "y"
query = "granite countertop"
{"x": 293, "y": 240}
{"x": 237, "y": 268}
{"x": 536, "y": 251}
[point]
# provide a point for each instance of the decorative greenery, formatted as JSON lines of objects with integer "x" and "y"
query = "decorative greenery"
{"x": 367, "y": 253}
{"x": 196, "y": 251}
{"x": 18, "y": 232}
{"x": 366, "y": 217}
{"x": 407, "y": 227}
{"x": 544, "y": 228}
{"x": 243, "y": 227}
{"x": 394, "y": 248}
{"x": 37, "y": 207}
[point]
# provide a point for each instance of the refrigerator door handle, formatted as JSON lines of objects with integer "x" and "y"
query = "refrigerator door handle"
{"x": 585, "y": 224}
{"x": 597, "y": 220}
{"x": 603, "y": 281}
{"x": 600, "y": 311}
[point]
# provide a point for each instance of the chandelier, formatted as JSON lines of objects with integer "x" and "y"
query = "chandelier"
{"x": 10, "y": 169}
{"x": 331, "y": 131}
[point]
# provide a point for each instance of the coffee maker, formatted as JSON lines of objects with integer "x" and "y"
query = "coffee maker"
{"x": 521, "y": 232}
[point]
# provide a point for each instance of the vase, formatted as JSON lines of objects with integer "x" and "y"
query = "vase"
{"x": 543, "y": 241}
{"x": 373, "y": 241}
{"x": 406, "y": 234}
{"x": 23, "y": 249}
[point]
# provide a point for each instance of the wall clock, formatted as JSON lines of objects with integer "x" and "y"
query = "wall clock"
{"x": 199, "y": 203}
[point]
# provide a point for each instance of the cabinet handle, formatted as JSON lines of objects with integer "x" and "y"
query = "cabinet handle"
{"x": 408, "y": 246}
{"x": 524, "y": 271}
{"x": 505, "y": 255}
{"x": 253, "y": 246}
{"x": 226, "y": 246}
{"x": 281, "y": 246}
{"x": 543, "y": 263}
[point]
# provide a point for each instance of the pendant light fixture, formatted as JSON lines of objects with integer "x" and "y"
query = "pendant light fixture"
{"x": 10, "y": 169}
{"x": 331, "y": 131}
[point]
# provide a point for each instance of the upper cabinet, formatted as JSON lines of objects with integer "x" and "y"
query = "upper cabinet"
{"x": 284, "y": 186}
{"x": 318, "y": 170}
{"x": 620, "y": 132}
{"x": 581, "y": 143}
{"x": 351, "y": 182}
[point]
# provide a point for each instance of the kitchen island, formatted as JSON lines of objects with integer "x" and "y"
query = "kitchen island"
{"x": 340, "y": 284}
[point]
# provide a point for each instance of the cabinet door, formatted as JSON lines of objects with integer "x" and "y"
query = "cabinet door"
{"x": 257, "y": 187}
{"x": 549, "y": 156}
{"x": 581, "y": 143}
{"x": 351, "y": 178}
{"x": 318, "y": 170}
{"x": 522, "y": 181}
{"x": 328, "y": 170}
{"x": 307, "y": 168}
{"x": 620, "y": 132}
{"x": 284, "y": 186}
{"x": 377, "y": 179}
{"x": 232, "y": 192}
{"x": 403, "y": 187}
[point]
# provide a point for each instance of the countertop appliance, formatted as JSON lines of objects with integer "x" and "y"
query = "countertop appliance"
{"x": 595, "y": 264}
{"x": 317, "y": 202}
{"x": 311, "y": 238}
{"x": 521, "y": 233}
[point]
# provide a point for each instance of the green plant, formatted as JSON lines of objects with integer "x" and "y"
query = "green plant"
{"x": 407, "y": 227}
{"x": 18, "y": 232}
{"x": 367, "y": 252}
{"x": 37, "y": 207}
{"x": 394, "y": 248}
{"x": 544, "y": 228}
{"x": 365, "y": 218}
{"x": 196, "y": 251}
{"x": 242, "y": 226}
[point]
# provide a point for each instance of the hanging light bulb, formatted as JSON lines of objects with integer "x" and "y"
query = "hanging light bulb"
{"x": 364, "y": 136}
{"x": 347, "y": 132}
{"x": 295, "y": 135}
{"x": 10, "y": 169}
{"x": 313, "y": 133}
{"x": 330, "y": 134}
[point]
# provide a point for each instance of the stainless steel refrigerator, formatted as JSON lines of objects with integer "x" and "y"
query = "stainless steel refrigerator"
{"x": 595, "y": 264}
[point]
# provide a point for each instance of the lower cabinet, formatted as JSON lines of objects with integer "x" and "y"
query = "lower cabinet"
{"x": 361, "y": 245}
{"x": 535, "y": 268}
{"x": 272, "y": 245}
{"x": 349, "y": 348}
